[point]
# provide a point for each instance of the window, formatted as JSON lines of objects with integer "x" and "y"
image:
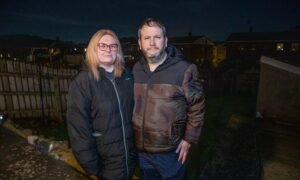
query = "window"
{"x": 279, "y": 46}
{"x": 295, "y": 47}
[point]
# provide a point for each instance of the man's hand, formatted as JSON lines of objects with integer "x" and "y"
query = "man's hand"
{"x": 183, "y": 149}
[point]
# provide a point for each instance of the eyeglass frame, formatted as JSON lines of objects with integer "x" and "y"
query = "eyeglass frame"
{"x": 103, "y": 47}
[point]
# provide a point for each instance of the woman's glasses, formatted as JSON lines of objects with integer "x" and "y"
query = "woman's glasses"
{"x": 105, "y": 47}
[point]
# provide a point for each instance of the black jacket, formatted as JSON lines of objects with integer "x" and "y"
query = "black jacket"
{"x": 169, "y": 103}
{"x": 99, "y": 124}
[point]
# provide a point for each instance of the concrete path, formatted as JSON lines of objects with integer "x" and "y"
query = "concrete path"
{"x": 19, "y": 160}
{"x": 279, "y": 145}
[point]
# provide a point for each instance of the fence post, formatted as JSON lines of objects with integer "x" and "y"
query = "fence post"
{"x": 57, "y": 101}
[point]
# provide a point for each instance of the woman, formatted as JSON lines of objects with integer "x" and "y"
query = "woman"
{"x": 100, "y": 109}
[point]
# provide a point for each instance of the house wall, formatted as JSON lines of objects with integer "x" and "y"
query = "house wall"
{"x": 279, "y": 90}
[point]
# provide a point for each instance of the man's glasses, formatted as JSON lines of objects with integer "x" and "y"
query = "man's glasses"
{"x": 104, "y": 47}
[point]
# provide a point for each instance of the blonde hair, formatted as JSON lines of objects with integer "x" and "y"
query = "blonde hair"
{"x": 92, "y": 58}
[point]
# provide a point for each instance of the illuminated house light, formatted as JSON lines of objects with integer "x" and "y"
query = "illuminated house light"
{"x": 279, "y": 46}
{"x": 295, "y": 47}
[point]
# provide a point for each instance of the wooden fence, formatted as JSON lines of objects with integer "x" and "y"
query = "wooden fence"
{"x": 33, "y": 90}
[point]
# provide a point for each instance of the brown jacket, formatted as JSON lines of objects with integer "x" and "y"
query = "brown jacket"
{"x": 169, "y": 104}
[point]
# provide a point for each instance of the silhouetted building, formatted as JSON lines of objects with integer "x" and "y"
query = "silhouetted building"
{"x": 245, "y": 49}
{"x": 198, "y": 49}
{"x": 219, "y": 53}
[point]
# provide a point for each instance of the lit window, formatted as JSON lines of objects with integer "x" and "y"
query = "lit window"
{"x": 279, "y": 46}
{"x": 295, "y": 47}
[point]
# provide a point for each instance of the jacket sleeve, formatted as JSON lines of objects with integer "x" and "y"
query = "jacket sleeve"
{"x": 194, "y": 95}
{"x": 80, "y": 128}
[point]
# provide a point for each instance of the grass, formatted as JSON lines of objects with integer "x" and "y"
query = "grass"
{"x": 56, "y": 132}
{"x": 218, "y": 112}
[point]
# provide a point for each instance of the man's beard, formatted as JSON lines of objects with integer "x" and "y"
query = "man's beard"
{"x": 156, "y": 57}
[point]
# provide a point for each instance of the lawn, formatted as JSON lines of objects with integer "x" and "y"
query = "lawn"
{"x": 218, "y": 112}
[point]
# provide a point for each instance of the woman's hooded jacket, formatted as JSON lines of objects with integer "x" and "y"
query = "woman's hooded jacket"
{"x": 99, "y": 124}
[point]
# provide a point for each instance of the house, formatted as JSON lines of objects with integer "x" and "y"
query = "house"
{"x": 198, "y": 49}
{"x": 219, "y": 53}
{"x": 245, "y": 49}
{"x": 40, "y": 50}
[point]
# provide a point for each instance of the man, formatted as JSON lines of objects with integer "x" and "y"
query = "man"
{"x": 169, "y": 105}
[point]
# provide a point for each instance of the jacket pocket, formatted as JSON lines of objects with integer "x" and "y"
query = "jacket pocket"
{"x": 177, "y": 131}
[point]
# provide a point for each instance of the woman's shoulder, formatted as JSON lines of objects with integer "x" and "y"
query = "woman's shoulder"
{"x": 82, "y": 75}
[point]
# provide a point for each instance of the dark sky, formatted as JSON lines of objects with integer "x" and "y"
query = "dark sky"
{"x": 78, "y": 20}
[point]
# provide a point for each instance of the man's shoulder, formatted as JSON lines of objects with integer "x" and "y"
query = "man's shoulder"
{"x": 137, "y": 66}
{"x": 184, "y": 64}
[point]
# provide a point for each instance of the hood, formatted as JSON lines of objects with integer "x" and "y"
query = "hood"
{"x": 173, "y": 56}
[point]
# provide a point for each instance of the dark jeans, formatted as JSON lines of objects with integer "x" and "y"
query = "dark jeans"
{"x": 161, "y": 166}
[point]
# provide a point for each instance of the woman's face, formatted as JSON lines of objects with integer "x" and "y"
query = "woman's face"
{"x": 107, "y": 49}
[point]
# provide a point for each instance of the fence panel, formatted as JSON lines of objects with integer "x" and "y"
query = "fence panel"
{"x": 31, "y": 90}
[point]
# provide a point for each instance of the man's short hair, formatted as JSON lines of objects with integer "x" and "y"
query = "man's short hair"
{"x": 152, "y": 22}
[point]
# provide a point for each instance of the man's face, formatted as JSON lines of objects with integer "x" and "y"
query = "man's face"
{"x": 152, "y": 42}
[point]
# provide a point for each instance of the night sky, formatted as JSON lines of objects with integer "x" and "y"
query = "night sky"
{"x": 78, "y": 20}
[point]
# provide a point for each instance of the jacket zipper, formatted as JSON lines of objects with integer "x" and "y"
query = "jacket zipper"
{"x": 123, "y": 128}
{"x": 146, "y": 99}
